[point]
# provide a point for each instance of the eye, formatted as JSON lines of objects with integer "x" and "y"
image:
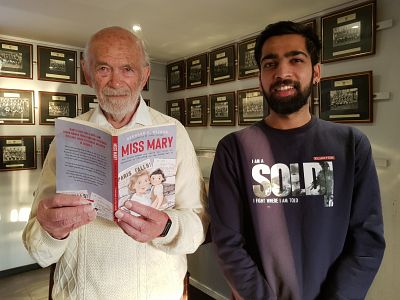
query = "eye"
{"x": 129, "y": 71}
{"x": 297, "y": 60}
{"x": 269, "y": 65}
{"x": 103, "y": 70}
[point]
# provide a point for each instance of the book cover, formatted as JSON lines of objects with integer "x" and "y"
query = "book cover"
{"x": 109, "y": 168}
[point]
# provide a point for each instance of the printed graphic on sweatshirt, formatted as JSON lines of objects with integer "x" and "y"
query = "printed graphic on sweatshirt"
{"x": 281, "y": 183}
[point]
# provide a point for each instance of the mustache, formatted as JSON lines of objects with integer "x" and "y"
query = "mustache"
{"x": 107, "y": 91}
{"x": 293, "y": 83}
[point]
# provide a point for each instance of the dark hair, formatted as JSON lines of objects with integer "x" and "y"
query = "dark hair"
{"x": 158, "y": 172}
{"x": 287, "y": 27}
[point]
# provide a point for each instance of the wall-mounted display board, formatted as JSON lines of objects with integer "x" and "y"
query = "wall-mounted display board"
{"x": 347, "y": 98}
{"x": 176, "y": 76}
{"x": 56, "y": 64}
{"x": 247, "y": 65}
{"x": 83, "y": 78}
{"x": 349, "y": 33}
{"x": 250, "y": 106}
{"x": 54, "y": 105}
{"x": 17, "y": 153}
{"x": 196, "y": 71}
{"x": 88, "y": 102}
{"x": 222, "y": 64}
{"x": 15, "y": 59}
{"x": 223, "y": 109}
{"x": 17, "y": 107}
{"x": 176, "y": 109}
{"x": 45, "y": 141}
{"x": 196, "y": 108}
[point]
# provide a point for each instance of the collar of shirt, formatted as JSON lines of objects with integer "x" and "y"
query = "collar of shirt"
{"x": 140, "y": 118}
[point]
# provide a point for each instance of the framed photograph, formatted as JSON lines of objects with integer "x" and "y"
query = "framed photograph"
{"x": 56, "y": 64}
{"x": 196, "y": 108}
{"x": 176, "y": 76}
{"x": 196, "y": 71}
{"x": 88, "y": 102}
{"x": 176, "y": 109}
{"x": 147, "y": 101}
{"x": 54, "y": 105}
{"x": 17, "y": 152}
{"x": 15, "y": 59}
{"x": 347, "y": 98}
{"x": 247, "y": 66}
{"x": 223, "y": 109}
{"x": 250, "y": 106}
{"x": 146, "y": 86}
{"x": 222, "y": 65}
{"x": 312, "y": 23}
{"x": 45, "y": 141}
{"x": 82, "y": 74}
{"x": 349, "y": 33}
{"x": 17, "y": 107}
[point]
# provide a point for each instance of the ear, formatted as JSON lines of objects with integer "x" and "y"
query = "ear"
{"x": 86, "y": 73}
{"x": 145, "y": 76}
{"x": 317, "y": 73}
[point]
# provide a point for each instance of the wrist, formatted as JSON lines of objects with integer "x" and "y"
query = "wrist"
{"x": 166, "y": 228}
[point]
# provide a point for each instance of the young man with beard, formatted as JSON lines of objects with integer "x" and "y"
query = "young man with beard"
{"x": 294, "y": 200}
{"x": 137, "y": 257}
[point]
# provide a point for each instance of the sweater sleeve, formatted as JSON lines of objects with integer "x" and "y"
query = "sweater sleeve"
{"x": 228, "y": 226}
{"x": 353, "y": 272}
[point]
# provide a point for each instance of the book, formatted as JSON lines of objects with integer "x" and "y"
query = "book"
{"x": 110, "y": 167}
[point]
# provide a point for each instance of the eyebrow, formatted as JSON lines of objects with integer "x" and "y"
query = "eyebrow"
{"x": 288, "y": 54}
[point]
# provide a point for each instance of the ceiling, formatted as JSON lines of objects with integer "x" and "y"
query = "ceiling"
{"x": 172, "y": 29}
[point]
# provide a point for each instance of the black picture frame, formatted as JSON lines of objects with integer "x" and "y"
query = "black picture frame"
{"x": 223, "y": 109}
{"x": 17, "y": 107}
{"x": 247, "y": 65}
{"x": 147, "y": 85}
{"x": 88, "y": 102}
{"x": 347, "y": 98}
{"x": 176, "y": 76}
{"x": 82, "y": 74}
{"x": 222, "y": 64}
{"x": 54, "y": 105}
{"x": 16, "y": 59}
{"x": 17, "y": 152}
{"x": 197, "y": 111}
{"x": 176, "y": 109}
{"x": 45, "y": 141}
{"x": 196, "y": 71}
{"x": 56, "y": 64}
{"x": 251, "y": 106}
{"x": 349, "y": 33}
{"x": 147, "y": 101}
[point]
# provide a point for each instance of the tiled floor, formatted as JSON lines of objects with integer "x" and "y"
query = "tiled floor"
{"x": 33, "y": 285}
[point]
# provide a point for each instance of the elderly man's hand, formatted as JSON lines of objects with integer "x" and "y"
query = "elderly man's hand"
{"x": 62, "y": 213}
{"x": 143, "y": 228}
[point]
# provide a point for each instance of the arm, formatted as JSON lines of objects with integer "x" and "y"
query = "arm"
{"x": 353, "y": 272}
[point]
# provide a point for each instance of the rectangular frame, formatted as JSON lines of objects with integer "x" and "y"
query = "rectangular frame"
{"x": 346, "y": 98}
{"x": 54, "y": 105}
{"x": 196, "y": 71}
{"x": 82, "y": 74}
{"x": 88, "y": 102}
{"x": 197, "y": 111}
{"x": 247, "y": 65}
{"x": 222, "y": 64}
{"x": 147, "y": 85}
{"x": 17, "y": 107}
{"x": 176, "y": 76}
{"x": 17, "y": 152}
{"x": 45, "y": 141}
{"x": 176, "y": 109}
{"x": 349, "y": 33}
{"x": 16, "y": 59}
{"x": 251, "y": 106}
{"x": 223, "y": 109}
{"x": 56, "y": 64}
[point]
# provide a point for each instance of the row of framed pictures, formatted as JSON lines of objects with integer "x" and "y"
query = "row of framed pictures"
{"x": 342, "y": 98}
{"x": 19, "y": 152}
{"x": 344, "y": 34}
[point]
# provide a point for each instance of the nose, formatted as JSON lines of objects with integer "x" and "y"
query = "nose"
{"x": 116, "y": 79}
{"x": 283, "y": 70}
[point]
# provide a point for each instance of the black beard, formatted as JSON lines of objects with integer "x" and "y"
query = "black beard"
{"x": 288, "y": 105}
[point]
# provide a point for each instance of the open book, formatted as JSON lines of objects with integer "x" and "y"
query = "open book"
{"x": 109, "y": 168}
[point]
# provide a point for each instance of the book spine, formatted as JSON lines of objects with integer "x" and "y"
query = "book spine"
{"x": 115, "y": 173}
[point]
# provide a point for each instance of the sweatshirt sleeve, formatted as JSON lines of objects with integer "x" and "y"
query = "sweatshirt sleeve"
{"x": 227, "y": 208}
{"x": 353, "y": 272}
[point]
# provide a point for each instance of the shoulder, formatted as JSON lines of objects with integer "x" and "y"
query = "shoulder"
{"x": 244, "y": 135}
{"x": 86, "y": 116}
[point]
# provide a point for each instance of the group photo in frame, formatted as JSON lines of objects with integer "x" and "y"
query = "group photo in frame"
{"x": 223, "y": 109}
{"x": 250, "y": 104}
{"x": 222, "y": 64}
{"x": 196, "y": 111}
{"x": 196, "y": 71}
{"x": 54, "y": 105}
{"x": 56, "y": 64}
{"x": 349, "y": 33}
{"x": 176, "y": 109}
{"x": 347, "y": 98}
{"x": 247, "y": 65}
{"x": 45, "y": 141}
{"x": 17, "y": 152}
{"x": 15, "y": 59}
{"x": 17, "y": 107}
{"x": 88, "y": 102}
{"x": 176, "y": 76}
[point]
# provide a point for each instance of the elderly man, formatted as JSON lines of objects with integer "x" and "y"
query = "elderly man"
{"x": 95, "y": 258}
